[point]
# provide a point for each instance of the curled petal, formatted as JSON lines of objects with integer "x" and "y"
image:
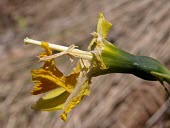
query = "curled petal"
{"x": 76, "y": 97}
{"x": 45, "y": 81}
{"x": 48, "y": 77}
{"x": 52, "y": 101}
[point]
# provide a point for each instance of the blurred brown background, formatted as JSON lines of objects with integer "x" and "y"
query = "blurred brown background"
{"x": 141, "y": 27}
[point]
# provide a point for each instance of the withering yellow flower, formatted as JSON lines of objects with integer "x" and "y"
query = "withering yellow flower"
{"x": 65, "y": 89}
{"x": 68, "y": 91}
{"x": 102, "y": 57}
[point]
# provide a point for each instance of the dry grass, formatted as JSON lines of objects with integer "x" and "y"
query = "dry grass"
{"x": 116, "y": 100}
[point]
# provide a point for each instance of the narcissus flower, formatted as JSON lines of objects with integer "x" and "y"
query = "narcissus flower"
{"x": 102, "y": 57}
{"x": 66, "y": 90}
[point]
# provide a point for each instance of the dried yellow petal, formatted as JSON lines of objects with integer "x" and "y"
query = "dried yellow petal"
{"x": 76, "y": 99}
{"x": 52, "y": 101}
{"x": 103, "y": 26}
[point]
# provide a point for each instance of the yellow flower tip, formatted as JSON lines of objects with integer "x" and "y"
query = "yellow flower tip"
{"x": 100, "y": 15}
{"x": 103, "y": 26}
{"x": 64, "y": 116}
